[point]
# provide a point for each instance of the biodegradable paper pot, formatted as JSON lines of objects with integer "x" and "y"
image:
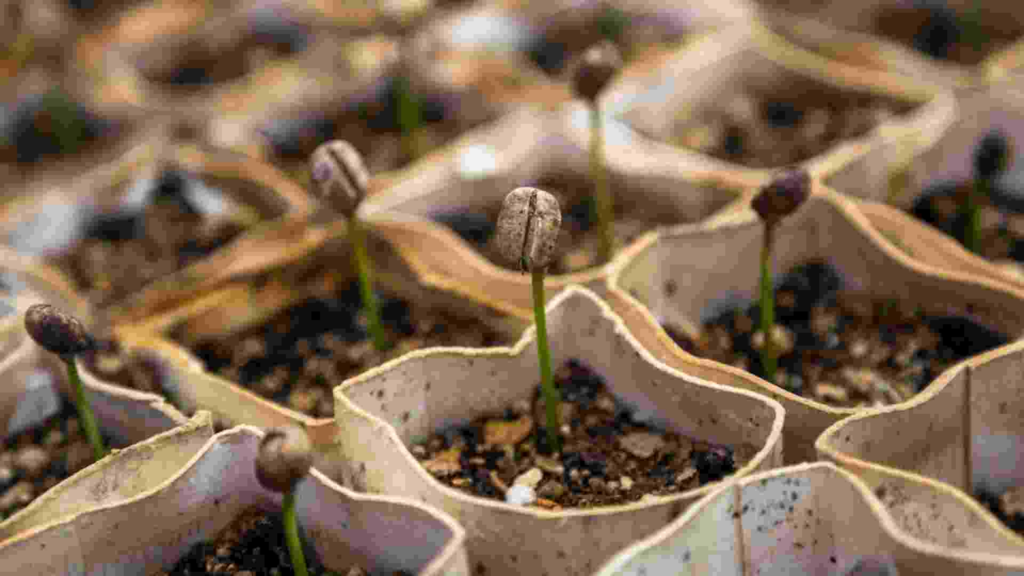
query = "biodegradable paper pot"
{"x": 711, "y": 68}
{"x": 844, "y": 31}
{"x": 224, "y": 185}
{"x": 140, "y": 62}
{"x": 479, "y": 169}
{"x": 316, "y": 262}
{"x": 689, "y": 274}
{"x": 930, "y": 455}
{"x": 949, "y": 157}
{"x": 381, "y": 411}
{"x": 34, "y": 379}
{"x": 152, "y": 530}
{"x": 804, "y": 519}
{"x": 123, "y": 475}
{"x": 479, "y": 59}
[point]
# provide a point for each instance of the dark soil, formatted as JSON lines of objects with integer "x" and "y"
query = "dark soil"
{"x": 47, "y": 125}
{"x": 966, "y": 38}
{"x": 1006, "y": 506}
{"x": 252, "y": 545}
{"x": 578, "y": 238}
{"x": 299, "y": 356}
{"x": 122, "y": 252}
{"x": 786, "y": 124}
{"x": 842, "y": 348}
{"x": 36, "y": 460}
{"x": 607, "y": 456}
{"x": 372, "y": 127}
{"x": 1002, "y": 229}
{"x": 136, "y": 369}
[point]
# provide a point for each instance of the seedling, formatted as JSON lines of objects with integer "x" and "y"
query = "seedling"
{"x": 527, "y": 232}
{"x": 284, "y": 458}
{"x": 408, "y": 110}
{"x": 341, "y": 179}
{"x": 991, "y": 158}
{"x": 596, "y": 69}
{"x": 780, "y": 198}
{"x": 65, "y": 336}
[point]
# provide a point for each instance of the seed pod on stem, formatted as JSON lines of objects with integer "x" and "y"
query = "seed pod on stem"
{"x": 341, "y": 180}
{"x": 593, "y": 73}
{"x": 778, "y": 199}
{"x": 66, "y": 336}
{"x": 284, "y": 458}
{"x": 527, "y": 234}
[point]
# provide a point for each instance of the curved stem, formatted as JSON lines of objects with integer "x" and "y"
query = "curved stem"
{"x": 547, "y": 386}
{"x": 365, "y": 272}
{"x": 972, "y": 213}
{"x": 291, "y": 534}
{"x": 769, "y": 361}
{"x": 92, "y": 431}
{"x": 603, "y": 205}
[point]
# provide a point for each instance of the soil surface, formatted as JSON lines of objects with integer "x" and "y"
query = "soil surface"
{"x": 36, "y": 460}
{"x": 608, "y": 457}
{"x": 842, "y": 348}
{"x": 300, "y": 355}
{"x": 787, "y": 124}
{"x": 966, "y": 38}
{"x": 121, "y": 253}
{"x": 1002, "y": 232}
{"x": 136, "y": 369}
{"x": 1008, "y": 507}
{"x": 578, "y": 238}
{"x": 372, "y": 127}
{"x": 252, "y": 545}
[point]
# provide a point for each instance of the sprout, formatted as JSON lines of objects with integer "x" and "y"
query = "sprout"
{"x": 597, "y": 67}
{"x": 65, "y": 336}
{"x": 991, "y": 158}
{"x": 780, "y": 198}
{"x": 341, "y": 179}
{"x": 527, "y": 232}
{"x": 284, "y": 458}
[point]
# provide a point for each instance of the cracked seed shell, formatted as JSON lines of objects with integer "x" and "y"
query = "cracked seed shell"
{"x": 284, "y": 458}
{"x": 339, "y": 175}
{"x": 57, "y": 331}
{"x": 527, "y": 229}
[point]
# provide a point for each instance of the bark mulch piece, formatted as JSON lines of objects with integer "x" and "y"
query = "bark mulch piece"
{"x": 300, "y": 355}
{"x": 842, "y": 348}
{"x": 608, "y": 455}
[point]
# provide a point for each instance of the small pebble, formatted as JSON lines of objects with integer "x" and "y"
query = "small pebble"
{"x": 1011, "y": 502}
{"x": 504, "y": 432}
{"x": 520, "y": 495}
{"x": 18, "y": 495}
{"x": 626, "y": 482}
{"x": 531, "y": 478}
{"x": 552, "y": 490}
{"x": 831, "y": 393}
{"x": 32, "y": 460}
{"x": 549, "y": 465}
{"x": 641, "y": 444}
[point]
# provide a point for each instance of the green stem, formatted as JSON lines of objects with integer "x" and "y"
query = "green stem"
{"x": 972, "y": 213}
{"x": 602, "y": 195}
{"x": 410, "y": 119}
{"x": 547, "y": 386}
{"x": 769, "y": 361}
{"x": 365, "y": 273}
{"x": 291, "y": 534}
{"x": 92, "y": 431}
